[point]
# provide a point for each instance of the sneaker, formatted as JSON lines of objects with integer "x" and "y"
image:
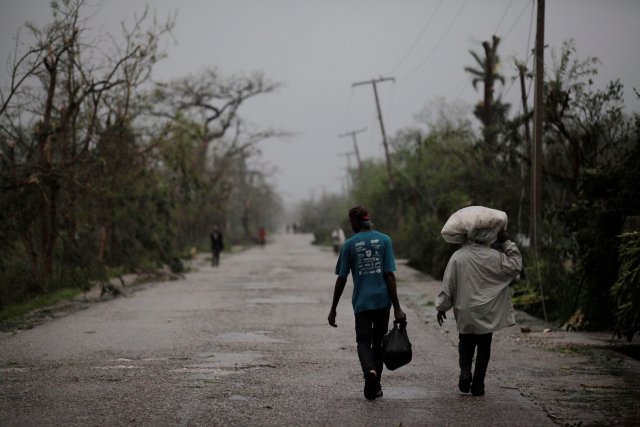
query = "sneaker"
{"x": 370, "y": 385}
{"x": 464, "y": 383}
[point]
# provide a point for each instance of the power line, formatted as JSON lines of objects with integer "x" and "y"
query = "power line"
{"x": 506, "y": 91}
{"x": 528, "y": 53}
{"x": 424, "y": 61}
{"x": 392, "y": 98}
{"x": 516, "y": 21}
{"x": 463, "y": 89}
{"x": 348, "y": 113}
{"x": 502, "y": 19}
{"x": 454, "y": 87}
{"x": 424, "y": 29}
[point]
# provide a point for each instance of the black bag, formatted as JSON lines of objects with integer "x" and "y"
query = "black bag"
{"x": 397, "y": 347}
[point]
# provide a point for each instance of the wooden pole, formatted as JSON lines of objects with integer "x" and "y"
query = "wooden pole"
{"x": 525, "y": 109}
{"x": 384, "y": 135}
{"x": 536, "y": 155}
{"x": 355, "y": 147}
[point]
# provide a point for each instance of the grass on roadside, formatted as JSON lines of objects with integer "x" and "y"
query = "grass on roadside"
{"x": 39, "y": 301}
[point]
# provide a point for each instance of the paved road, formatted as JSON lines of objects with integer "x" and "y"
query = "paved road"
{"x": 248, "y": 344}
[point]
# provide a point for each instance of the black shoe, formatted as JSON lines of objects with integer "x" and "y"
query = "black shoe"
{"x": 379, "y": 393}
{"x": 370, "y": 385}
{"x": 477, "y": 390}
{"x": 464, "y": 382}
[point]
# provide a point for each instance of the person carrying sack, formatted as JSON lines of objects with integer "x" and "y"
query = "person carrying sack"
{"x": 476, "y": 285}
{"x": 368, "y": 255}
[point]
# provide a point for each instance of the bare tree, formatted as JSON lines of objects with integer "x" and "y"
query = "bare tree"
{"x": 60, "y": 97}
{"x": 202, "y": 117}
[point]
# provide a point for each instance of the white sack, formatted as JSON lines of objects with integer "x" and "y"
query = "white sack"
{"x": 476, "y": 222}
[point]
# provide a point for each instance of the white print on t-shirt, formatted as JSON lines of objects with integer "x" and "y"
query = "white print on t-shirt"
{"x": 368, "y": 259}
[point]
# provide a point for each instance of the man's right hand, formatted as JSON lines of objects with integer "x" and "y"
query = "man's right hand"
{"x": 441, "y": 316}
{"x": 332, "y": 318}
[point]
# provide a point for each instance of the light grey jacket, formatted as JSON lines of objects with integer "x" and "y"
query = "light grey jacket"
{"x": 476, "y": 284}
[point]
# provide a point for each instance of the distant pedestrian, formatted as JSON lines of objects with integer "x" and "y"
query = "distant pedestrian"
{"x": 217, "y": 245}
{"x": 368, "y": 256}
{"x": 337, "y": 239}
{"x": 262, "y": 236}
{"x": 476, "y": 284}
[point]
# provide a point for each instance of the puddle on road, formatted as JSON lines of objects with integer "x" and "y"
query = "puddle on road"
{"x": 250, "y": 337}
{"x": 283, "y": 299}
{"x": 230, "y": 360}
{"x": 215, "y": 364}
{"x": 205, "y": 373}
{"x": 407, "y": 393}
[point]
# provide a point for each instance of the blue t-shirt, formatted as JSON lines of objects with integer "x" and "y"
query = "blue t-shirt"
{"x": 367, "y": 255}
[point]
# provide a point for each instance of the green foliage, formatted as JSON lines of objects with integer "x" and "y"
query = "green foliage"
{"x": 323, "y": 215}
{"x": 16, "y": 283}
{"x": 590, "y": 186}
{"x": 101, "y": 178}
{"x": 441, "y": 172}
{"x": 553, "y": 269}
{"x": 428, "y": 192}
{"x": 626, "y": 291}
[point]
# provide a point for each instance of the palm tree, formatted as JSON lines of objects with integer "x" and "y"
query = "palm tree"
{"x": 489, "y": 111}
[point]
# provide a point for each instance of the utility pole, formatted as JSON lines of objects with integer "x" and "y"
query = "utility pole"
{"x": 349, "y": 170}
{"x": 355, "y": 146}
{"x": 525, "y": 110}
{"x": 374, "y": 82}
{"x": 536, "y": 155}
{"x": 348, "y": 155}
{"x": 536, "y": 152}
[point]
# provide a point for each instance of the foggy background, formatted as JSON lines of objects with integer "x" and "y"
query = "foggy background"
{"x": 318, "y": 49}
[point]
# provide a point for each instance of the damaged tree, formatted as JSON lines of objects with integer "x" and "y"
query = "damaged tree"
{"x": 60, "y": 99}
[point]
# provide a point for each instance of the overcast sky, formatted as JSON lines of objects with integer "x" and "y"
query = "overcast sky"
{"x": 318, "y": 48}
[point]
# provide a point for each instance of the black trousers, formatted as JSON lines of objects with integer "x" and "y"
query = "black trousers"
{"x": 371, "y": 326}
{"x": 215, "y": 257}
{"x": 466, "y": 349}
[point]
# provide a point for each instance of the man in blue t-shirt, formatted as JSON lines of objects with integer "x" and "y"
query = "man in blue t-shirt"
{"x": 368, "y": 255}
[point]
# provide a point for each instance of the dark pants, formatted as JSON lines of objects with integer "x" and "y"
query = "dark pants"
{"x": 215, "y": 257}
{"x": 371, "y": 326}
{"x": 466, "y": 349}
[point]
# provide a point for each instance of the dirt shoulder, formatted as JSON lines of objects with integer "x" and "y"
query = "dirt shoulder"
{"x": 117, "y": 287}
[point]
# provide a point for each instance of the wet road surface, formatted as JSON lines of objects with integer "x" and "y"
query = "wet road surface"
{"x": 248, "y": 344}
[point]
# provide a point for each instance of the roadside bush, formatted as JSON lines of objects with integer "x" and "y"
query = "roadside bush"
{"x": 626, "y": 290}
